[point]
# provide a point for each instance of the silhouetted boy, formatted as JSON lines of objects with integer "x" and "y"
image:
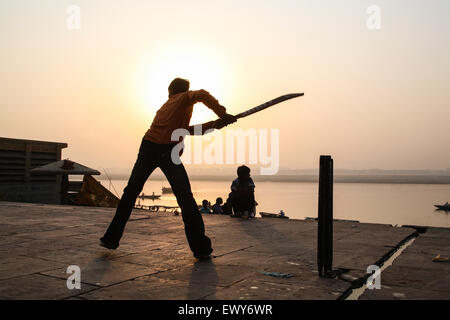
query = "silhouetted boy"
{"x": 155, "y": 151}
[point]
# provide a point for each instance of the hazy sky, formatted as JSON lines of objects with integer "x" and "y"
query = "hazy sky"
{"x": 373, "y": 98}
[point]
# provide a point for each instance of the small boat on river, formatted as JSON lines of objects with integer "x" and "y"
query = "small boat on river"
{"x": 151, "y": 197}
{"x": 280, "y": 215}
{"x": 445, "y": 207}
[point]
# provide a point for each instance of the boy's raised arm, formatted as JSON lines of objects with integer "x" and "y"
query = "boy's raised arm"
{"x": 208, "y": 100}
{"x": 204, "y": 126}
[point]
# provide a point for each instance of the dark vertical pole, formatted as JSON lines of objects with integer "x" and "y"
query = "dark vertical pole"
{"x": 329, "y": 225}
{"x": 325, "y": 221}
{"x": 65, "y": 189}
{"x": 28, "y": 150}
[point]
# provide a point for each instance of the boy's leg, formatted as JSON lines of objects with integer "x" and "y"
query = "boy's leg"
{"x": 145, "y": 164}
{"x": 250, "y": 202}
{"x": 233, "y": 200}
{"x": 242, "y": 200}
{"x": 194, "y": 227}
{"x": 227, "y": 207}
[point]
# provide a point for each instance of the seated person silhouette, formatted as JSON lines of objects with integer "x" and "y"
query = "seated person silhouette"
{"x": 242, "y": 196}
{"x": 205, "y": 207}
{"x": 226, "y": 208}
{"x": 217, "y": 207}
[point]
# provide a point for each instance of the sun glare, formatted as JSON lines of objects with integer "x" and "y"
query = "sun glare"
{"x": 202, "y": 68}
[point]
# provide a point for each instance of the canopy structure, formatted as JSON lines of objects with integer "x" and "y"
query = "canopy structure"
{"x": 65, "y": 167}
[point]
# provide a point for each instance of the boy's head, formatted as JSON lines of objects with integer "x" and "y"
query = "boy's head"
{"x": 243, "y": 172}
{"x": 219, "y": 200}
{"x": 178, "y": 85}
{"x": 205, "y": 203}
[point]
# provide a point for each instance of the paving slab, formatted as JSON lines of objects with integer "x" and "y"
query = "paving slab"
{"x": 151, "y": 288}
{"x": 403, "y": 293}
{"x": 12, "y": 267}
{"x": 104, "y": 271}
{"x": 207, "y": 273}
{"x": 160, "y": 259}
{"x": 79, "y": 256}
{"x": 37, "y": 286}
{"x": 413, "y": 275}
{"x": 305, "y": 287}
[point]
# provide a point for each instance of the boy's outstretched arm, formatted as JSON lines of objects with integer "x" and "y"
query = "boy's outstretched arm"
{"x": 216, "y": 124}
{"x": 212, "y": 103}
{"x": 204, "y": 127}
{"x": 208, "y": 100}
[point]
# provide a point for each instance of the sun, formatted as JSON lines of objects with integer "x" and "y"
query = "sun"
{"x": 203, "y": 68}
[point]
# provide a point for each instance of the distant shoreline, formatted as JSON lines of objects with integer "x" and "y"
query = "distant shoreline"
{"x": 386, "y": 179}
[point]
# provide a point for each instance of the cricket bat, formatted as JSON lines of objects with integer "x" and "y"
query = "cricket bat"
{"x": 268, "y": 104}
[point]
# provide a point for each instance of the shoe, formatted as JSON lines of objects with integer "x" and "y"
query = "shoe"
{"x": 108, "y": 245}
{"x": 203, "y": 257}
{"x": 245, "y": 214}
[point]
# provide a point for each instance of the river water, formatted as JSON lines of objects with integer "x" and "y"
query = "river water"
{"x": 396, "y": 204}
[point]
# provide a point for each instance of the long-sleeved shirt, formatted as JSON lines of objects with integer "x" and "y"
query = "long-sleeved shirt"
{"x": 235, "y": 185}
{"x": 177, "y": 112}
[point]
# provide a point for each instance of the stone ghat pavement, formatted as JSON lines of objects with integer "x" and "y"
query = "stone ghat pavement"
{"x": 38, "y": 242}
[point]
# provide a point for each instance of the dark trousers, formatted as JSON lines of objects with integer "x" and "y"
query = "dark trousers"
{"x": 242, "y": 200}
{"x": 150, "y": 157}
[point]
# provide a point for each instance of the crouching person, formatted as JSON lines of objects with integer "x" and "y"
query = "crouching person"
{"x": 217, "y": 208}
{"x": 242, "y": 196}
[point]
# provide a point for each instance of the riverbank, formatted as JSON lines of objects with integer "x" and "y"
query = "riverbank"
{"x": 38, "y": 242}
{"x": 352, "y": 178}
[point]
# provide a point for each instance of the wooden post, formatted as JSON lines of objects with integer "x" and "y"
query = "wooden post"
{"x": 65, "y": 189}
{"x": 27, "y": 162}
{"x": 325, "y": 221}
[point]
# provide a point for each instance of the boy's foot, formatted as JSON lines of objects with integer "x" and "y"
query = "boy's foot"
{"x": 108, "y": 245}
{"x": 245, "y": 214}
{"x": 203, "y": 257}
